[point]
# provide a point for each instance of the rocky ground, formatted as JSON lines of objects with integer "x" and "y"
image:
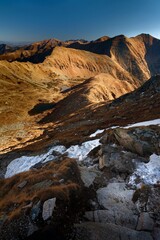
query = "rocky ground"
{"x": 112, "y": 193}
{"x": 126, "y": 203}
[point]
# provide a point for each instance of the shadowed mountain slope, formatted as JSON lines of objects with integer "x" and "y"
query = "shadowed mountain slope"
{"x": 4, "y": 48}
{"x": 101, "y": 88}
{"x": 139, "y": 105}
{"x": 35, "y": 52}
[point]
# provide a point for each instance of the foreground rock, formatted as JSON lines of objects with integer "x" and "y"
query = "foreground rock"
{"x": 48, "y": 208}
{"x": 124, "y": 212}
{"x": 117, "y": 159}
{"x": 143, "y": 141}
{"x": 113, "y": 194}
{"x": 123, "y": 208}
{"x": 108, "y": 231}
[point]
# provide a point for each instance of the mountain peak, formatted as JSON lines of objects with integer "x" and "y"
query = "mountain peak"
{"x": 102, "y": 39}
{"x": 121, "y": 36}
{"x": 146, "y": 38}
{"x": 145, "y": 35}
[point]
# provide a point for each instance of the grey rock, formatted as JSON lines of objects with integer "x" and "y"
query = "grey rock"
{"x": 22, "y": 184}
{"x": 106, "y": 231}
{"x": 156, "y": 233}
{"x": 116, "y": 159}
{"x": 31, "y": 228}
{"x": 116, "y": 199}
{"x": 143, "y": 141}
{"x": 153, "y": 201}
{"x": 35, "y": 211}
{"x": 115, "y": 195}
{"x": 88, "y": 175}
{"x": 41, "y": 185}
{"x": 61, "y": 180}
{"x": 48, "y": 207}
{"x": 125, "y": 218}
{"x": 93, "y": 204}
{"x": 145, "y": 222}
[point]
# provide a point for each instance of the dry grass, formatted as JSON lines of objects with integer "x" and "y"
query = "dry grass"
{"x": 24, "y": 85}
{"x": 42, "y": 184}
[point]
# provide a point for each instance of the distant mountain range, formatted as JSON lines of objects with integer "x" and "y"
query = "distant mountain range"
{"x": 20, "y": 43}
{"x": 70, "y": 75}
{"x": 137, "y": 55}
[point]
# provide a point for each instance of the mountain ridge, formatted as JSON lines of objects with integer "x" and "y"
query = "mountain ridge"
{"x": 137, "y": 55}
{"x": 126, "y": 63}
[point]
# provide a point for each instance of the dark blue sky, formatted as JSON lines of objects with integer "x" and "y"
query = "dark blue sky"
{"x": 32, "y": 20}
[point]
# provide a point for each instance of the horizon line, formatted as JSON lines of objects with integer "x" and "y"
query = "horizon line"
{"x": 71, "y": 39}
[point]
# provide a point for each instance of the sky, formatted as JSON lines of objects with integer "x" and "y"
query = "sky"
{"x": 33, "y": 20}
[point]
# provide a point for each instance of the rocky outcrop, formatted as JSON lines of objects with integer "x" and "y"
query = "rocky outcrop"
{"x": 110, "y": 154}
{"x": 123, "y": 209}
{"x": 133, "y": 142}
{"x": 106, "y": 197}
{"x": 142, "y": 141}
{"x": 108, "y": 231}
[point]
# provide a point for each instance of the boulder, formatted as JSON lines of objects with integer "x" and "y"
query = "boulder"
{"x": 48, "y": 207}
{"x": 116, "y": 199}
{"x": 42, "y": 184}
{"x": 22, "y": 184}
{"x": 156, "y": 233}
{"x": 141, "y": 140}
{"x": 145, "y": 222}
{"x": 88, "y": 175}
{"x": 117, "y": 196}
{"x": 153, "y": 204}
{"x": 116, "y": 159}
{"x": 108, "y": 231}
{"x": 126, "y": 218}
{"x": 35, "y": 211}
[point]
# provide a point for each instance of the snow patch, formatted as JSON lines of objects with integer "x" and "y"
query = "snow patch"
{"x": 146, "y": 123}
{"x": 24, "y": 163}
{"x": 100, "y": 131}
{"x": 80, "y": 151}
{"x": 147, "y": 173}
{"x": 96, "y": 132}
